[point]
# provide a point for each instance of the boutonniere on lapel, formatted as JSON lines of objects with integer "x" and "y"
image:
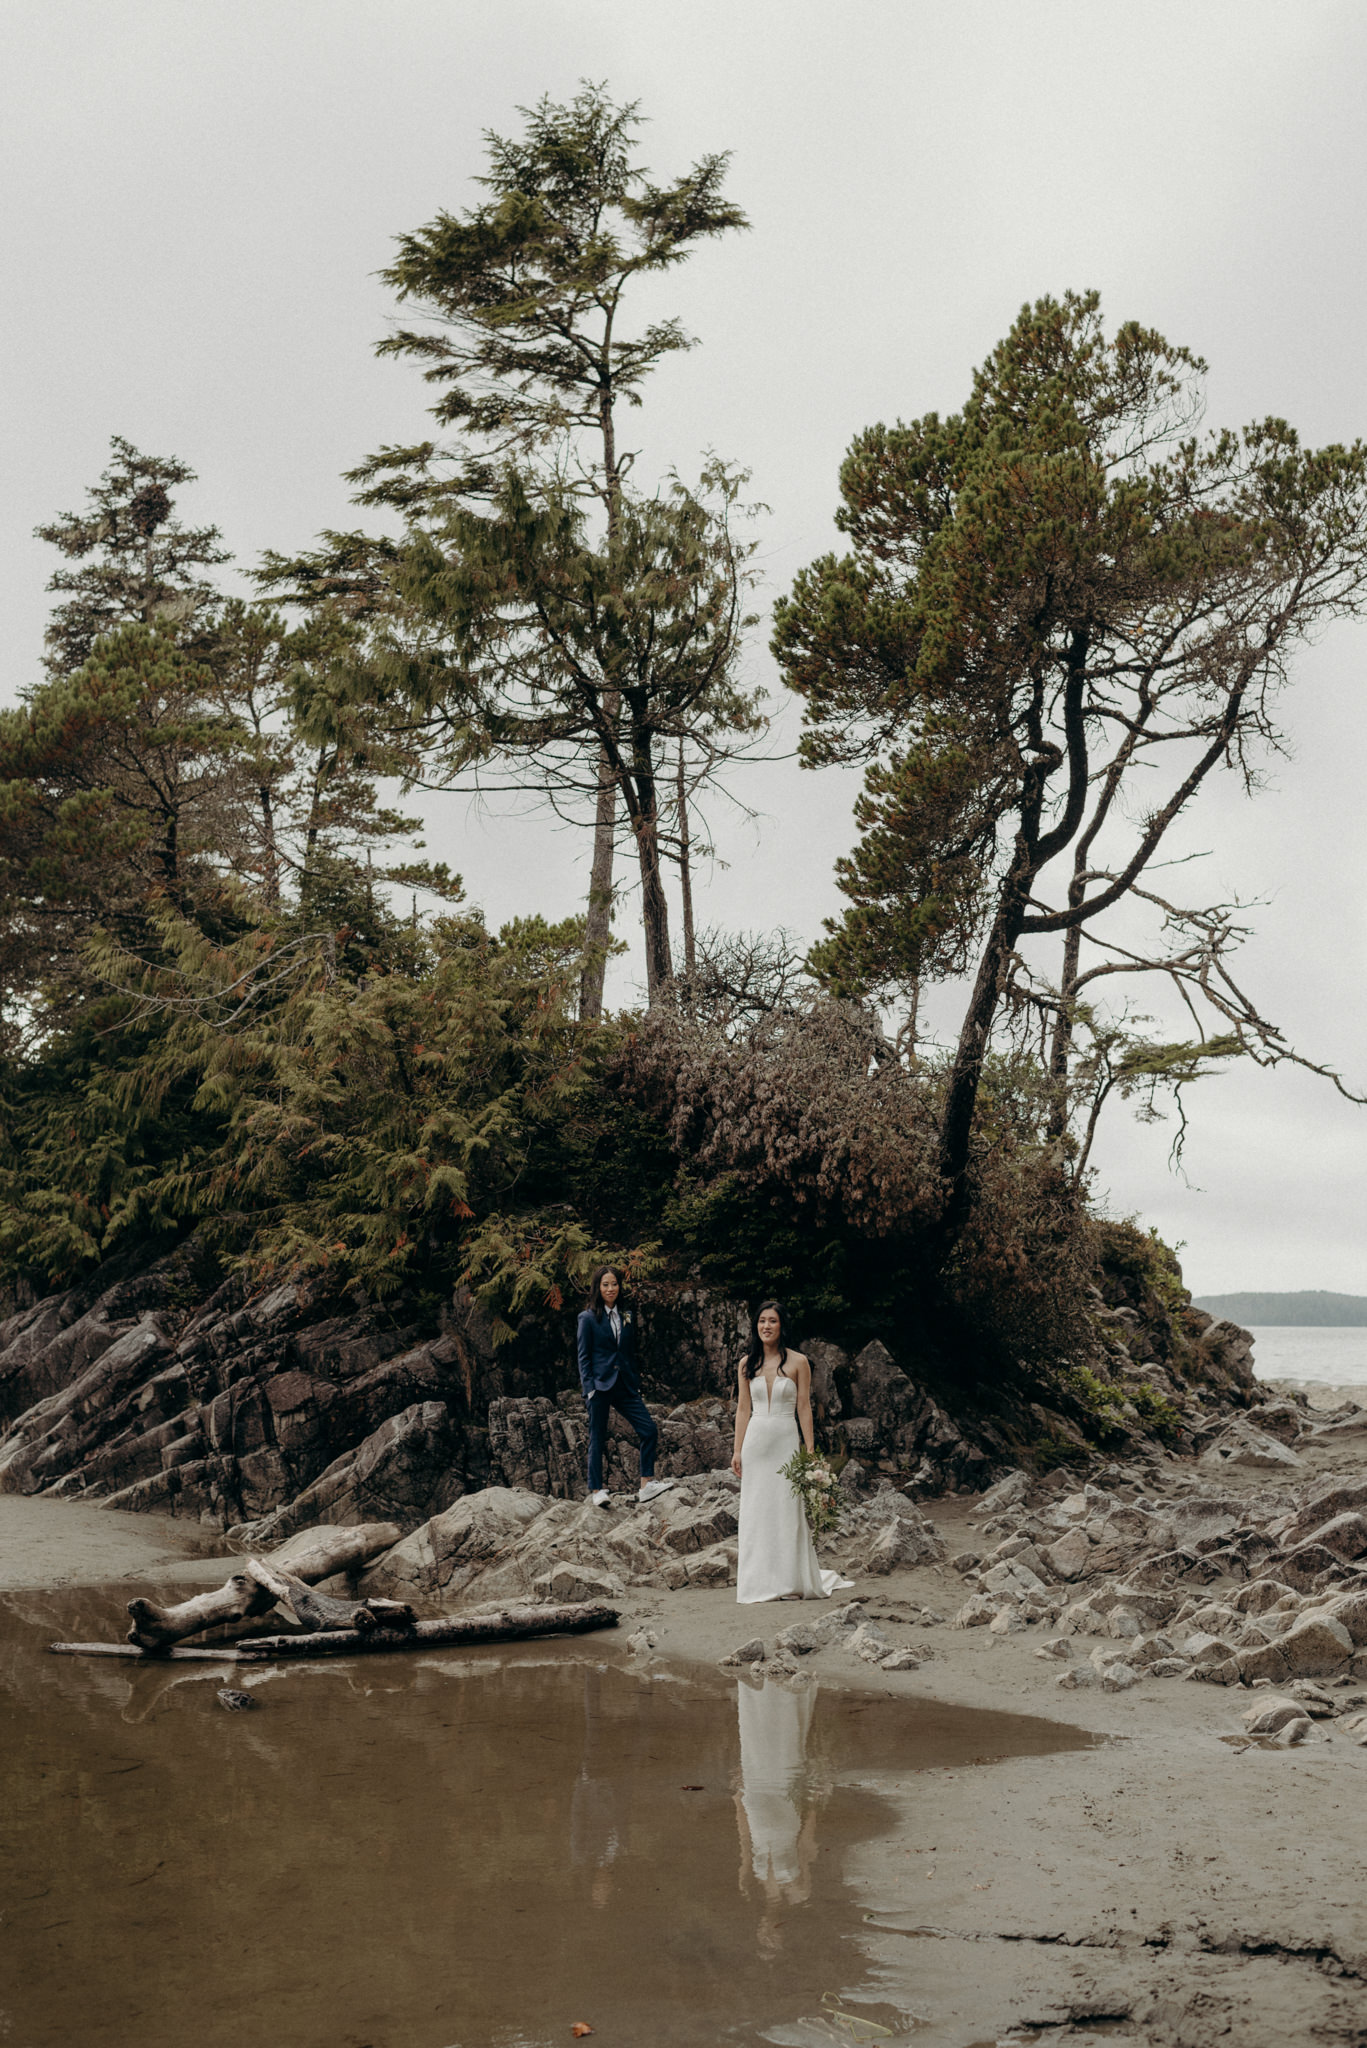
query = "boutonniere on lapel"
{"x": 626, "y": 1320}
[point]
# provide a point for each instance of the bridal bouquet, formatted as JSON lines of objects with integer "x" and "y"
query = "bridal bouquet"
{"x": 817, "y": 1487}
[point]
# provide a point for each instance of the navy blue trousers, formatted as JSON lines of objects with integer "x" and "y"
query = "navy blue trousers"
{"x": 626, "y": 1399}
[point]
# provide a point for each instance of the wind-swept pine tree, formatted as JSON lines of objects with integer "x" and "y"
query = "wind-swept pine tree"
{"x": 523, "y": 302}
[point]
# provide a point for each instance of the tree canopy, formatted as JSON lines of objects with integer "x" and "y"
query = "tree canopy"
{"x": 618, "y": 640}
{"x": 1063, "y": 609}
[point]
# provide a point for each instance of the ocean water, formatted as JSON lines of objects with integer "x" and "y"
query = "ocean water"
{"x": 1333, "y": 1354}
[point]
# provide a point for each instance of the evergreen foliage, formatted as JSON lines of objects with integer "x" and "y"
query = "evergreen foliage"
{"x": 1062, "y": 611}
{"x": 219, "y": 1018}
{"x": 514, "y": 640}
{"x": 137, "y": 563}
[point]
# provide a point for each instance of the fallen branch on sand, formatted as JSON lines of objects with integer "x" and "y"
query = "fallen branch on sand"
{"x": 258, "y": 1587}
{"x": 512, "y": 1624}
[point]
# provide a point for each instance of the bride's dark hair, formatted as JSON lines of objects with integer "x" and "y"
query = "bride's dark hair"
{"x": 754, "y": 1355}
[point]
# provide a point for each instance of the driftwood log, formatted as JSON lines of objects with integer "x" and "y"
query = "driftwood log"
{"x": 257, "y": 1588}
{"x": 313, "y": 1610}
{"x": 156, "y": 1628}
{"x": 510, "y": 1625}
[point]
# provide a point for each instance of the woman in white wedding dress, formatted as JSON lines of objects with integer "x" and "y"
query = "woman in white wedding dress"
{"x": 777, "y": 1558}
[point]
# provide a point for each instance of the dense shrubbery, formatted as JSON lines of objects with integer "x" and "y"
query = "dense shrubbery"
{"x": 807, "y": 1155}
{"x": 410, "y": 1106}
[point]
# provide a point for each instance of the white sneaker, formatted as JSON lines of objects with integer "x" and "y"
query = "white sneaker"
{"x": 653, "y": 1488}
{"x": 601, "y": 1499}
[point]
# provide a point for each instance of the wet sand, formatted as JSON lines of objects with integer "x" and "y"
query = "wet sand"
{"x": 71, "y": 1543}
{"x": 1170, "y": 1884}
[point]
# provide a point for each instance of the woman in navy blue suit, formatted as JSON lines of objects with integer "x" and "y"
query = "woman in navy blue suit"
{"x": 607, "y": 1373}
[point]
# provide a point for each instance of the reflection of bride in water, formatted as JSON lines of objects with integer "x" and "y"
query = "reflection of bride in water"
{"x": 777, "y": 1843}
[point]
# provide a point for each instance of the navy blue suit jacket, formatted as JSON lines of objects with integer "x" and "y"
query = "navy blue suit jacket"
{"x": 601, "y": 1355}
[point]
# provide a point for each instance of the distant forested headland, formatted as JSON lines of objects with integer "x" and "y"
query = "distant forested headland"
{"x": 1312, "y": 1307}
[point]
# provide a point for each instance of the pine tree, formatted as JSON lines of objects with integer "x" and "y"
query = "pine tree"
{"x": 524, "y": 301}
{"x": 1063, "y": 611}
{"x": 137, "y": 563}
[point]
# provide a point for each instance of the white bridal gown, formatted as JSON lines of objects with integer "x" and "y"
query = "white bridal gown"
{"x": 777, "y": 1555}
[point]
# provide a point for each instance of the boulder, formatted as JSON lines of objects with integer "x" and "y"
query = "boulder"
{"x": 1315, "y": 1645}
{"x": 451, "y": 1550}
{"x": 1271, "y": 1713}
{"x": 801, "y": 1638}
{"x": 900, "y": 1660}
{"x": 1012, "y": 1581}
{"x": 902, "y": 1537}
{"x": 1152, "y": 1606}
{"x": 574, "y": 1582}
{"x": 1323, "y": 1505}
{"x": 869, "y": 1642}
{"x": 1201, "y": 1649}
{"x": 1309, "y": 1566}
{"x": 1244, "y": 1446}
{"x": 1008, "y": 1492}
{"x": 978, "y": 1612}
{"x": 1183, "y": 1564}
{"x": 1350, "y": 1611}
{"x": 714, "y": 1567}
{"x": 1119, "y": 1677}
{"x": 1345, "y": 1534}
{"x": 1032, "y": 1560}
{"x": 692, "y": 1525}
{"x": 1067, "y": 1558}
{"x": 1261, "y": 1596}
{"x": 1150, "y": 1649}
{"x": 1123, "y": 1622}
{"x": 749, "y": 1653}
{"x": 1281, "y": 1419}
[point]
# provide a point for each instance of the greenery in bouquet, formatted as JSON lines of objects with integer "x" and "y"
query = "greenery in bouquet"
{"x": 817, "y": 1487}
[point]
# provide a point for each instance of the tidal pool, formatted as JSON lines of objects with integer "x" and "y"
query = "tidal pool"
{"x": 471, "y": 1850}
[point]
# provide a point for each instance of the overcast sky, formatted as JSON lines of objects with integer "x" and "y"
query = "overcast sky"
{"x": 197, "y": 199}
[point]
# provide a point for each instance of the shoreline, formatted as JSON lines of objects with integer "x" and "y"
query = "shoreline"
{"x": 1175, "y": 1879}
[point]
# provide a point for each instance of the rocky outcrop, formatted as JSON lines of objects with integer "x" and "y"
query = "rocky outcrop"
{"x": 1229, "y": 1588}
{"x": 234, "y": 1409}
{"x": 167, "y": 1387}
{"x": 264, "y": 1411}
{"x": 508, "y": 1542}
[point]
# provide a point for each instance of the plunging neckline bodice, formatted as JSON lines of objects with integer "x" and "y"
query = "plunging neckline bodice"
{"x": 769, "y": 1386}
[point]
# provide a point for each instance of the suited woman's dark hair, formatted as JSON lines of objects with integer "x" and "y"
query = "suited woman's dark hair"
{"x": 595, "y": 1301}
{"x": 754, "y": 1356}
